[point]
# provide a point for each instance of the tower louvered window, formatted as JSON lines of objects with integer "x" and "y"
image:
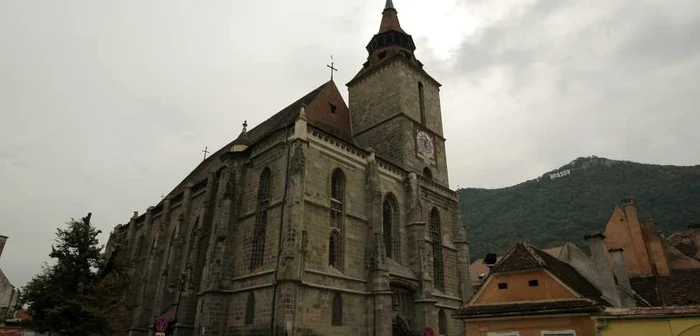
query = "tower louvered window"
{"x": 250, "y": 309}
{"x": 337, "y": 310}
{"x": 442, "y": 322}
{"x": 421, "y": 101}
{"x": 258, "y": 246}
{"x": 436, "y": 235}
{"x": 390, "y": 224}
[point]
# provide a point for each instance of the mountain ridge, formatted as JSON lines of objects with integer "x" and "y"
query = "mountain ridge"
{"x": 565, "y": 203}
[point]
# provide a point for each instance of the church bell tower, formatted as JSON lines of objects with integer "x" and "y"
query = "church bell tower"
{"x": 395, "y": 104}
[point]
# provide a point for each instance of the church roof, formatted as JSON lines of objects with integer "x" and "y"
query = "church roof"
{"x": 337, "y": 125}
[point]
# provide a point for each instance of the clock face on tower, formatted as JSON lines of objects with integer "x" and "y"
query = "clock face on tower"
{"x": 425, "y": 146}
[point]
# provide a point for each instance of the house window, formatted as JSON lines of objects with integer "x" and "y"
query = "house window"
{"x": 390, "y": 221}
{"x": 503, "y": 285}
{"x": 436, "y": 235}
{"x": 442, "y": 322}
{"x": 558, "y": 333}
{"x": 333, "y": 108}
{"x": 250, "y": 309}
{"x": 337, "y": 310}
{"x": 533, "y": 283}
{"x": 334, "y": 250}
{"x": 258, "y": 246}
{"x": 421, "y": 101}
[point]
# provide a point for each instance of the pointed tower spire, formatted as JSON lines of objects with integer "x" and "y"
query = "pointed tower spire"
{"x": 390, "y": 21}
{"x": 389, "y": 5}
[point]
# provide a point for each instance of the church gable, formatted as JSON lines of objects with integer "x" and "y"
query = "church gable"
{"x": 329, "y": 113}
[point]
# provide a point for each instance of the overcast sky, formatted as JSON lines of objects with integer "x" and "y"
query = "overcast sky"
{"x": 106, "y": 105}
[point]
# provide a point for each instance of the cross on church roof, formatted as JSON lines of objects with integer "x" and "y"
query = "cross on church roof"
{"x": 331, "y": 66}
{"x": 205, "y": 151}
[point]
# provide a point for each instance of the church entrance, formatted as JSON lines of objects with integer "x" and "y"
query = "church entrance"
{"x": 400, "y": 327}
{"x": 402, "y": 306}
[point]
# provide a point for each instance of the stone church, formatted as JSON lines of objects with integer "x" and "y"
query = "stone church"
{"x": 326, "y": 219}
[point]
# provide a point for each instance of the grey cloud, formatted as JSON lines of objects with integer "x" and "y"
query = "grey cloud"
{"x": 611, "y": 79}
{"x": 106, "y": 105}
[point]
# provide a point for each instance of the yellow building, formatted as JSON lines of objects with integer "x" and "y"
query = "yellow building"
{"x": 654, "y": 321}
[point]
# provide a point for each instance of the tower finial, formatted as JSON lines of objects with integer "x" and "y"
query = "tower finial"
{"x": 390, "y": 21}
{"x": 389, "y": 5}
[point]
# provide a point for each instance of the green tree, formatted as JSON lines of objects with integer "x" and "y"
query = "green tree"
{"x": 70, "y": 296}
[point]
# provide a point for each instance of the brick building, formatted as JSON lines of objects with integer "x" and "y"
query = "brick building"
{"x": 323, "y": 220}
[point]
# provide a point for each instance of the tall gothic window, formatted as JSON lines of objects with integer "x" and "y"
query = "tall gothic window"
{"x": 139, "y": 247}
{"x": 442, "y": 322}
{"x": 192, "y": 252}
{"x": 421, "y": 101}
{"x": 337, "y": 198}
{"x": 258, "y": 246}
{"x": 436, "y": 235}
{"x": 335, "y": 242}
{"x": 250, "y": 309}
{"x": 337, "y": 310}
{"x": 334, "y": 250}
{"x": 390, "y": 223}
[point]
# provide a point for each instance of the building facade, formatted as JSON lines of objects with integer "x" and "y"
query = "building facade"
{"x": 323, "y": 220}
{"x": 651, "y": 321}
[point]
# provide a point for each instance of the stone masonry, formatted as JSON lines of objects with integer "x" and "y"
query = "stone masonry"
{"x": 322, "y": 220}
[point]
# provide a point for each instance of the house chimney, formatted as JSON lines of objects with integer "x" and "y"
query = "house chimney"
{"x": 602, "y": 267}
{"x": 3, "y": 239}
{"x": 620, "y": 268}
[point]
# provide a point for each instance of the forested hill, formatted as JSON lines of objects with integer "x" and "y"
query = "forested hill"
{"x": 566, "y": 203}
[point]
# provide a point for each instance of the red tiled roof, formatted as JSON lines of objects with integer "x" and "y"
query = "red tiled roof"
{"x": 524, "y": 256}
{"x": 678, "y": 289}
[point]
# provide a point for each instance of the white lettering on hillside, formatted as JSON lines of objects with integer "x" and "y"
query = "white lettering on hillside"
{"x": 560, "y": 174}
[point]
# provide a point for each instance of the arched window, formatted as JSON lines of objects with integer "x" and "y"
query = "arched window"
{"x": 436, "y": 235}
{"x": 427, "y": 173}
{"x": 139, "y": 247}
{"x": 421, "y": 101}
{"x": 192, "y": 251}
{"x": 258, "y": 246}
{"x": 442, "y": 322}
{"x": 390, "y": 224}
{"x": 337, "y": 311}
{"x": 334, "y": 250}
{"x": 337, "y": 198}
{"x": 250, "y": 309}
